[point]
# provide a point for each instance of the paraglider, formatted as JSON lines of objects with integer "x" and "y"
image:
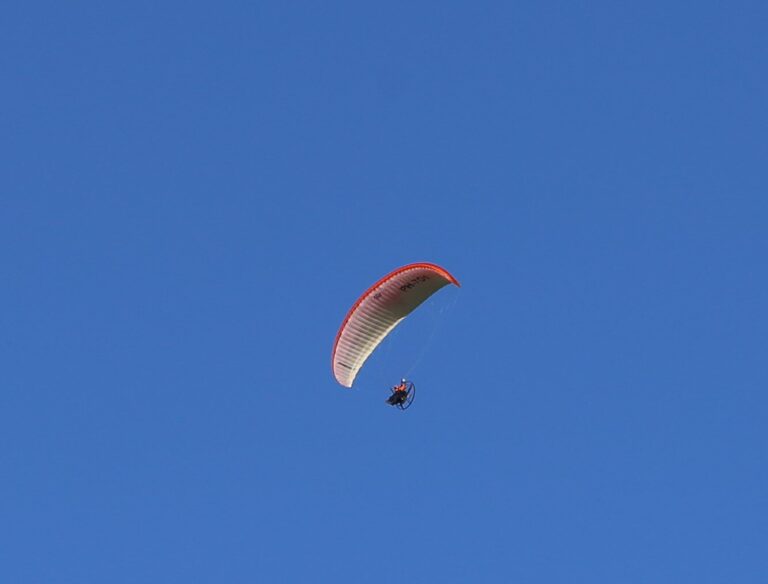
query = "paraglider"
{"x": 376, "y": 313}
{"x": 402, "y": 395}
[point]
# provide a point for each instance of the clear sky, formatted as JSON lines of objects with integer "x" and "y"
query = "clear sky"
{"x": 193, "y": 194}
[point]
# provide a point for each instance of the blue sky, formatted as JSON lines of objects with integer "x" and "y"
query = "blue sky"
{"x": 194, "y": 194}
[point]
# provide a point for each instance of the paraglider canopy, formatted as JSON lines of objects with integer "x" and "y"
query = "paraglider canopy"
{"x": 378, "y": 311}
